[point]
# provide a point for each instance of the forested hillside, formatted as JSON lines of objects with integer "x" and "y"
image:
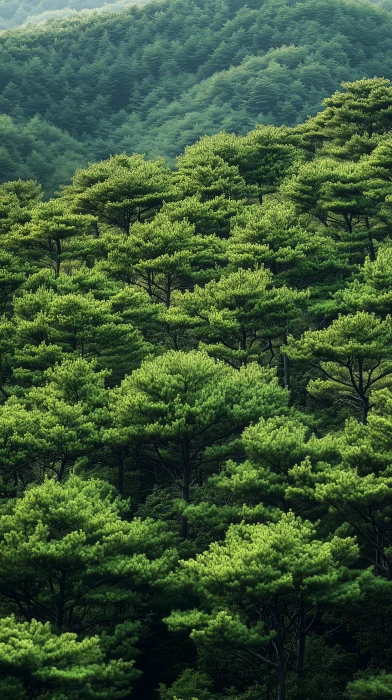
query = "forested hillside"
{"x": 155, "y": 79}
{"x": 14, "y": 13}
{"x": 196, "y": 419}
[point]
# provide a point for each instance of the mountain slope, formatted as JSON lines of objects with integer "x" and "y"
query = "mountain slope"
{"x": 153, "y": 79}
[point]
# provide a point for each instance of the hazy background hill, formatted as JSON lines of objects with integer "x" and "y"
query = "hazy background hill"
{"x": 156, "y": 78}
{"x": 14, "y": 13}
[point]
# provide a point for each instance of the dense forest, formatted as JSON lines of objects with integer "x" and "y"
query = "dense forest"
{"x": 196, "y": 419}
{"x": 155, "y": 79}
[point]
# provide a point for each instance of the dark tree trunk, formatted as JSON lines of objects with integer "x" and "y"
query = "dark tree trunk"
{"x": 279, "y": 645}
{"x": 60, "y": 602}
{"x": 96, "y": 229}
{"x": 58, "y": 261}
{"x": 168, "y": 291}
{"x": 301, "y": 639}
{"x": 185, "y": 496}
{"x": 61, "y": 471}
{"x": 365, "y": 409}
{"x": 185, "y": 486}
{"x": 372, "y": 252}
{"x": 282, "y": 679}
{"x": 286, "y": 371}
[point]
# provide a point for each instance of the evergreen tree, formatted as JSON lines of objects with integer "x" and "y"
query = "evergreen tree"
{"x": 35, "y": 661}
{"x": 182, "y": 405}
{"x": 239, "y": 317}
{"x": 261, "y": 584}
{"x": 122, "y": 190}
{"x": 72, "y": 559}
{"x": 353, "y": 356}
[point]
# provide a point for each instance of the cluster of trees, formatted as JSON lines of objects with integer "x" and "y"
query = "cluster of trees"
{"x": 196, "y": 419}
{"x": 155, "y": 79}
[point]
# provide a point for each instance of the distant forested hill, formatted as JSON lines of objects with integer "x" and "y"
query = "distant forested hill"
{"x": 156, "y": 78}
{"x": 14, "y": 13}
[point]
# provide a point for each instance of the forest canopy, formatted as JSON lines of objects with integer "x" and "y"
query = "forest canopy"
{"x": 196, "y": 419}
{"x": 155, "y": 79}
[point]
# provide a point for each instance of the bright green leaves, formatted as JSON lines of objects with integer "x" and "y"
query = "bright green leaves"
{"x": 202, "y": 171}
{"x": 371, "y": 688}
{"x": 34, "y": 660}
{"x": 182, "y": 405}
{"x": 164, "y": 256}
{"x": 277, "y": 560}
{"x": 122, "y": 190}
{"x": 67, "y": 552}
{"x": 240, "y": 317}
{"x": 364, "y": 108}
{"x": 248, "y": 583}
{"x": 353, "y": 355}
{"x": 241, "y": 261}
{"x": 266, "y": 156}
{"x": 276, "y": 450}
{"x": 72, "y": 324}
{"x": 54, "y": 235}
{"x": 275, "y": 236}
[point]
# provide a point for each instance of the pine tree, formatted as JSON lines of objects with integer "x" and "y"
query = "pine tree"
{"x": 260, "y": 587}
{"x": 122, "y": 190}
{"x": 71, "y": 558}
{"x": 353, "y": 356}
{"x": 35, "y": 661}
{"x": 181, "y": 405}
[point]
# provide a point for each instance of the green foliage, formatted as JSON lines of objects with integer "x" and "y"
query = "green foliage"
{"x": 195, "y": 377}
{"x": 35, "y": 661}
{"x": 183, "y": 405}
{"x": 353, "y": 354}
{"x": 164, "y": 256}
{"x": 248, "y": 583}
{"x": 189, "y": 683}
{"x": 225, "y": 316}
{"x": 371, "y": 688}
{"x": 68, "y": 553}
{"x": 155, "y": 79}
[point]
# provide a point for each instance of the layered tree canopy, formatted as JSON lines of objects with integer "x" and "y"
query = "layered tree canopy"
{"x": 196, "y": 417}
{"x": 155, "y": 79}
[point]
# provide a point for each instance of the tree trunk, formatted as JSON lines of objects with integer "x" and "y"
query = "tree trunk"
{"x": 365, "y": 409}
{"x": 168, "y": 291}
{"x": 372, "y": 252}
{"x": 185, "y": 485}
{"x": 96, "y": 229}
{"x": 279, "y": 645}
{"x": 185, "y": 496}
{"x": 286, "y": 371}
{"x": 61, "y": 471}
{"x": 282, "y": 679}
{"x": 60, "y": 602}
{"x": 301, "y": 639}
{"x": 58, "y": 261}
{"x": 285, "y": 365}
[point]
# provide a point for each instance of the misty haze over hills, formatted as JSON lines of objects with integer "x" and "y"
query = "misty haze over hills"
{"x": 14, "y": 13}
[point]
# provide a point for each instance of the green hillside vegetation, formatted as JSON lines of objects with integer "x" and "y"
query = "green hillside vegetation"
{"x": 14, "y": 13}
{"x": 156, "y": 79}
{"x": 196, "y": 419}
